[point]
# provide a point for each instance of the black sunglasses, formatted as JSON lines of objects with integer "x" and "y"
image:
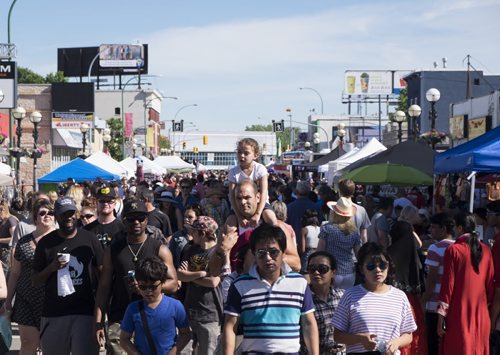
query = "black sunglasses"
{"x": 86, "y": 216}
{"x": 43, "y": 213}
{"x": 262, "y": 253}
{"x": 109, "y": 202}
{"x": 135, "y": 218}
{"x": 381, "y": 265}
{"x": 321, "y": 268}
{"x": 150, "y": 287}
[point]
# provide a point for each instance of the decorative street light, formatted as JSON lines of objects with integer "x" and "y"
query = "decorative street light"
{"x": 292, "y": 135}
{"x": 84, "y": 128}
{"x": 317, "y": 93}
{"x": 143, "y": 148}
{"x": 433, "y": 95}
{"x": 414, "y": 112}
{"x": 134, "y": 147}
{"x": 399, "y": 117}
{"x": 18, "y": 113}
{"x": 106, "y": 138}
{"x": 341, "y": 134}
{"x": 35, "y": 118}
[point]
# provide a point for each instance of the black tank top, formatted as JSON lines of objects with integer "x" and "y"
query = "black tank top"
{"x": 123, "y": 261}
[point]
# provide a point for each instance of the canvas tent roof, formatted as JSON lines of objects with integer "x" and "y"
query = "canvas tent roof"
{"x": 172, "y": 162}
{"x": 481, "y": 154}
{"x": 415, "y": 154}
{"x": 78, "y": 169}
{"x": 334, "y": 154}
{"x": 149, "y": 167}
{"x": 106, "y": 162}
{"x": 5, "y": 169}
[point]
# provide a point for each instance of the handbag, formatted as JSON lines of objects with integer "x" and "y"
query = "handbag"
{"x": 5, "y": 335}
{"x": 152, "y": 346}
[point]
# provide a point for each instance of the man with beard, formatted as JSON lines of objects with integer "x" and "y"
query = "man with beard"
{"x": 117, "y": 285}
{"x": 106, "y": 226}
{"x": 66, "y": 262}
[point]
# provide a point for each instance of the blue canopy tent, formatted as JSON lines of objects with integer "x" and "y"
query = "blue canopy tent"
{"x": 481, "y": 154}
{"x": 78, "y": 169}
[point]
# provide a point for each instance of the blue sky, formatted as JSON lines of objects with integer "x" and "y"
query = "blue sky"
{"x": 240, "y": 60}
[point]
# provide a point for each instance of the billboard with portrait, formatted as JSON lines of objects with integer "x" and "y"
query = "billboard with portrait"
{"x": 121, "y": 55}
{"x": 374, "y": 82}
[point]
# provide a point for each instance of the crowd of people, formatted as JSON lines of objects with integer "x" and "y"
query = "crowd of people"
{"x": 246, "y": 262}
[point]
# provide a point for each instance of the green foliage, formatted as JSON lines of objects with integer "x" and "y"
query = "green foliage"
{"x": 259, "y": 128}
{"x": 164, "y": 142}
{"x": 403, "y": 100}
{"x": 28, "y": 76}
{"x": 115, "y": 145}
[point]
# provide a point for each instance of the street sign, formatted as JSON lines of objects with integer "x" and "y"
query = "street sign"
{"x": 8, "y": 84}
{"x": 178, "y": 126}
{"x": 72, "y": 120}
{"x": 278, "y": 126}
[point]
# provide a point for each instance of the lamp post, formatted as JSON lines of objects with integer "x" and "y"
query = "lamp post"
{"x": 106, "y": 138}
{"x": 143, "y": 148}
{"x": 317, "y": 93}
{"x": 399, "y": 117}
{"x": 433, "y": 95}
{"x": 18, "y": 113}
{"x": 292, "y": 138}
{"x": 341, "y": 135}
{"x": 35, "y": 118}
{"x": 414, "y": 112}
{"x": 177, "y": 113}
{"x": 134, "y": 148}
{"x": 84, "y": 128}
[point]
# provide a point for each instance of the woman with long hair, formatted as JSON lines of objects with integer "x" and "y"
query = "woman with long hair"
{"x": 27, "y": 309}
{"x": 466, "y": 291}
{"x": 8, "y": 224}
{"x": 340, "y": 238}
{"x": 309, "y": 236}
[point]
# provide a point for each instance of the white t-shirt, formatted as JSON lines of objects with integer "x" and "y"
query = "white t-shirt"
{"x": 312, "y": 236}
{"x": 236, "y": 175}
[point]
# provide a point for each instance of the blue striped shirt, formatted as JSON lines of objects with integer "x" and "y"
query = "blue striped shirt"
{"x": 387, "y": 315}
{"x": 340, "y": 246}
{"x": 270, "y": 314}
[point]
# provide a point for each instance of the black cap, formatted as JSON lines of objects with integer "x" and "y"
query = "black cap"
{"x": 106, "y": 192}
{"x": 64, "y": 204}
{"x": 134, "y": 207}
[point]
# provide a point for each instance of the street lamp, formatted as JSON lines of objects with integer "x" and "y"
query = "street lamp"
{"x": 106, "y": 138}
{"x": 35, "y": 118}
{"x": 317, "y": 93}
{"x": 433, "y": 95}
{"x": 292, "y": 135}
{"x": 84, "y": 128}
{"x": 143, "y": 148}
{"x": 134, "y": 147}
{"x": 18, "y": 113}
{"x": 341, "y": 135}
{"x": 399, "y": 117}
{"x": 414, "y": 112}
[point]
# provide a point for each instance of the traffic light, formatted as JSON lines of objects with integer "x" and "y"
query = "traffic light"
{"x": 184, "y": 145}
{"x": 205, "y": 139}
{"x": 278, "y": 126}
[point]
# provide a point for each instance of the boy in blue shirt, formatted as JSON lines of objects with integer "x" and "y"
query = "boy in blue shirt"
{"x": 165, "y": 316}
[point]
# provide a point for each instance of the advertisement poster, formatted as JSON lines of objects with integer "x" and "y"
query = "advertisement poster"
{"x": 477, "y": 126}
{"x": 457, "y": 127}
{"x": 129, "y": 123}
{"x": 382, "y": 82}
{"x": 121, "y": 55}
{"x": 72, "y": 120}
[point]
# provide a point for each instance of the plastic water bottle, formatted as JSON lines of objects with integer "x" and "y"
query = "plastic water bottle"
{"x": 381, "y": 346}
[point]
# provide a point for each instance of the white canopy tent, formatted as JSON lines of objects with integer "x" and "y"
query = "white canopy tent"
{"x": 6, "y": 180}
{"x": 371, "y": 148}
{"x": 173, "y": 163}
{"x": 324, "y": 168}
{"x": 107, "y": 163}
{"x": 5, "y": 169}
{"x": 148, "y": 166}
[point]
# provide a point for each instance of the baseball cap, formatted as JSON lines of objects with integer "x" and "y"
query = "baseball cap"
{"x": 63, "y": 205}
{"x": 106, "y": 192}
{"x": 134, "y": 207}
{"x": 205, "y": 224}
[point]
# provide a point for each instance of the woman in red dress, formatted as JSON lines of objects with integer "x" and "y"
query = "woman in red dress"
{"x": 466, "y": 291}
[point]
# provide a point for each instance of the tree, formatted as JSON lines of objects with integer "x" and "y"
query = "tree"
{"x": 164, "y": 142}
{"x": 259, "y": 128}
{"x": 115, "y": 144}
{"x": 28, "y": 76}
{"x": 403, "y": 100}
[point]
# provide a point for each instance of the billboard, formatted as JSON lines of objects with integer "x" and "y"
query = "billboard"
{"x": 374, "y": 82}
{"x": 478, "y": 126}
{"x": 121, "y": 55}
{"x": 72, "y": 120}
{"x": 8, "y": 84}
{"x": 73, "y": 97}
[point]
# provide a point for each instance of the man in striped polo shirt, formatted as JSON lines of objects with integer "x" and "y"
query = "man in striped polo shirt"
{"x": 442, "y": 232}
{"x": 271, "y": 302}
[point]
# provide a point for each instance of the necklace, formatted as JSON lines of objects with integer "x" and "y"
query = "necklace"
{"x": 138, "y": 251}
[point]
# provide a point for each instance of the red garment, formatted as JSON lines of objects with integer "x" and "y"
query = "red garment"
{"x": 468, "y": 294}
{"x": 418, "y": 344}
{"x": 496, "y": 259}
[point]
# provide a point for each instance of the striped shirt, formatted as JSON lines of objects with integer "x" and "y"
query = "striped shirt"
{"x": 435, "y": 258}
{"x": 340, "y": 246}
{"x": 387, "y": 315}
{"x": 270, "y": 314}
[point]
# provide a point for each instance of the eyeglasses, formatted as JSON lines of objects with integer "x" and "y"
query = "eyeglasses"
{"x": 131, "y": 219}
{"x": 150, "y": 287}
{"x": 321, "y": 268}
{"x": 273, "y": 253}
{"x": 86, "y": 216}
{"x": 43, "y": 213}
{"x": 109, "y": 202}
{"x": 381, "y": 265}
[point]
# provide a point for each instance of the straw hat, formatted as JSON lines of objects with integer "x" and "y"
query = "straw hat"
{"x": 215, "y": 191}
{"x": 343, "y": 207}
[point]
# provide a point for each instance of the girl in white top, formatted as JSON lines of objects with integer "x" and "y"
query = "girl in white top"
{"x": 248, "y": 152}
{"x": 309, "y": 236}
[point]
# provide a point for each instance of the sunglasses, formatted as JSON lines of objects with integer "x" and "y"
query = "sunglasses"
{"x": 185, "y": 187}
{"x": 381, "y": 265}
{"x": 43, "y": 213}
{"x": 86, "y": 216}
{"x": 273, "y": 253}
{"x": 135, "y": 218}
{"x": 150, "y": 287}
{"x": 321, "y": 268}
{"x": 109, "y": 202}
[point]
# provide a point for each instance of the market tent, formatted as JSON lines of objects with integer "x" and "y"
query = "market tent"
{"x": 418, "y": 155}
{"x": 481, "y": 154}
{"x": 148, "y": 166}
{"x": 107, "y": 163}
{"x": 5, "y": 169}
{"x": 78, "y": 169}
{"x": 371, "y": 148}
{"x": 314, "y": 165}
{"x": 6, "y": 180}
{"x": 173, "y": 163}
